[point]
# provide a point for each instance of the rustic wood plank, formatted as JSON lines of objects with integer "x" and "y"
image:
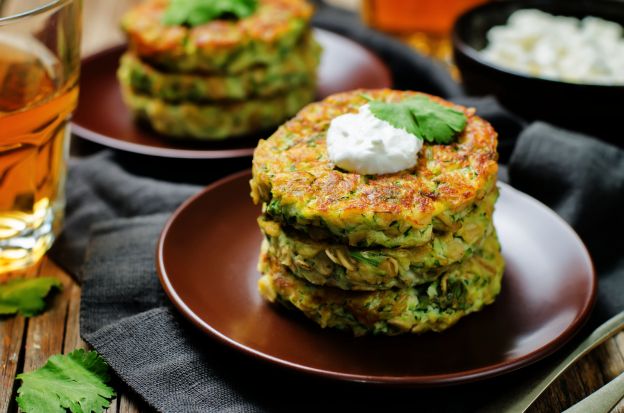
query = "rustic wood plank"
{"x": 619, "y": 343}
{"x": 12, "y": 329}
{"x": 12, "y": 333}
{"x": 619, "y": 348}
{"x": 582, "y": 379}
{"x": 609, "y": 359}
{"x": 619, "y": 408}
{"x": 72, "y": 326}
{"x": 562, "y": 393}
{"x": 46, "y": 331}
{"x": 114, "y": 407}
{"x": 591, "y": 373}
{"x": 129, "y": 403}
{"x": 611, "y": 362}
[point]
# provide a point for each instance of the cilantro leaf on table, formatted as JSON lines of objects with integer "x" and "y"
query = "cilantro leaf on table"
{"x": 76, "y": 381}
{"x": 196, "y": 12}
{"x": 26, "y": 295}
{"x": 422, "y": 117}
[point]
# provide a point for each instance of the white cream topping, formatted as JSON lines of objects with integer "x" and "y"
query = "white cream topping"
{"x": 364, "y": 144}
{"x": 590, "y": 50}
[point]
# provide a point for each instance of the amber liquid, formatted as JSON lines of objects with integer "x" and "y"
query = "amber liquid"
{"x": 423, "y": 24}
{"x": 34, "y": 110}
{"x": 435, "y": 17}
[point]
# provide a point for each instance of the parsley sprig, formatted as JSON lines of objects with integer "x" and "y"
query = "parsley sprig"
{"x": 197, "y": 12}
{"x": 422, "y": 117}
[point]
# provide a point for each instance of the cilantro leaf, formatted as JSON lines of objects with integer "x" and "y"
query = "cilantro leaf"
{"x": 76, "y": 381}
{"x": 26, "y": 295}
{"x": 196, "y": 12}
{"x": 422, "y": 117}
{"x": 398, "y": 115}
{"x": 438, "y": 123}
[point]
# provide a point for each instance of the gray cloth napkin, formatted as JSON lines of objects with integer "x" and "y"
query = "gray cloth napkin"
{"x": 98, "y": 189}
{"x": 126, "y": 317}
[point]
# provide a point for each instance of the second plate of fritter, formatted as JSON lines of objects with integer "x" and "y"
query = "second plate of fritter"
{"x": 103, "y": 118}
{"x": 208, "y": 266}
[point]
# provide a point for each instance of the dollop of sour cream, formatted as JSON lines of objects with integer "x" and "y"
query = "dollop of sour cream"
{"x": 364, "y": 144}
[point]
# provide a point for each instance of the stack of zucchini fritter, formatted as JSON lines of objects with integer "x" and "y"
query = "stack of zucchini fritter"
{"x": 223, "y": 78}
{"x": 406, "y": 252}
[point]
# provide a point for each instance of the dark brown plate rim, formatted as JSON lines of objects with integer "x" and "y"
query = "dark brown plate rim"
{"x": 471, "y": 375}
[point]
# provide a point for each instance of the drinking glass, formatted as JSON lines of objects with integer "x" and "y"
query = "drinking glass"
{"x": 39, "y": 68}
{"x": 404, "y": 16}
{"x": 423, "y": 24}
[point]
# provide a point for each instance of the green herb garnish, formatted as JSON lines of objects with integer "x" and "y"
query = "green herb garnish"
{"x": 196, "y": 12}
{"x": 26, "y": 295}
{"x": 422, "y": 117}
{"x": 76, "y": 381}
{"x": 367, "y": 257}
{"x": 274, "y": 208}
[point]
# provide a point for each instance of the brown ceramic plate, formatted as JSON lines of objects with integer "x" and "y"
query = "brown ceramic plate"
{"x": 207, "y": 258}
{"x": 103, "y": 118}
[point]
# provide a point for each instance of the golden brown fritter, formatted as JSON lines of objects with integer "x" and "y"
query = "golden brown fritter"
{"x": 300, "y": 186}
{"x": 367, "y": 269}
{"x": 229, "y": 46}
{"x": 297, "y": 69}
{"x": 435, "y": 306}
{"x": 217, "y": 120}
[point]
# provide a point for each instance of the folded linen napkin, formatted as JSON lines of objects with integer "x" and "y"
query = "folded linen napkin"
{"x": 116, "y": 215}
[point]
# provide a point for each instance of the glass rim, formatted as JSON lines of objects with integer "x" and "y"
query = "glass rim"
{"x": 52, "y": 4}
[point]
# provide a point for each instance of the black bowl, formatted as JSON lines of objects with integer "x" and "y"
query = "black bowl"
{"x": 589, "y": 108}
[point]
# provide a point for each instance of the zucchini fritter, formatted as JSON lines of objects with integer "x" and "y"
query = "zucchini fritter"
{"x": 219, "y": 46}
{"x": 434, "y": 306}
{"x": 295, "y": 70}
{"x": 217, "y": 120}
{"x": 351, "y": 268}
{"x": 300, "y": 187}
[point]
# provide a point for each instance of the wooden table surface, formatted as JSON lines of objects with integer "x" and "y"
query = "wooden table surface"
{"x": 27, "y": 343}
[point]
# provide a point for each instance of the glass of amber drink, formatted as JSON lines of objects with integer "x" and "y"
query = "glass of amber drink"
{"x": 423, "y": 24}
{"x": 39, "y": 68}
